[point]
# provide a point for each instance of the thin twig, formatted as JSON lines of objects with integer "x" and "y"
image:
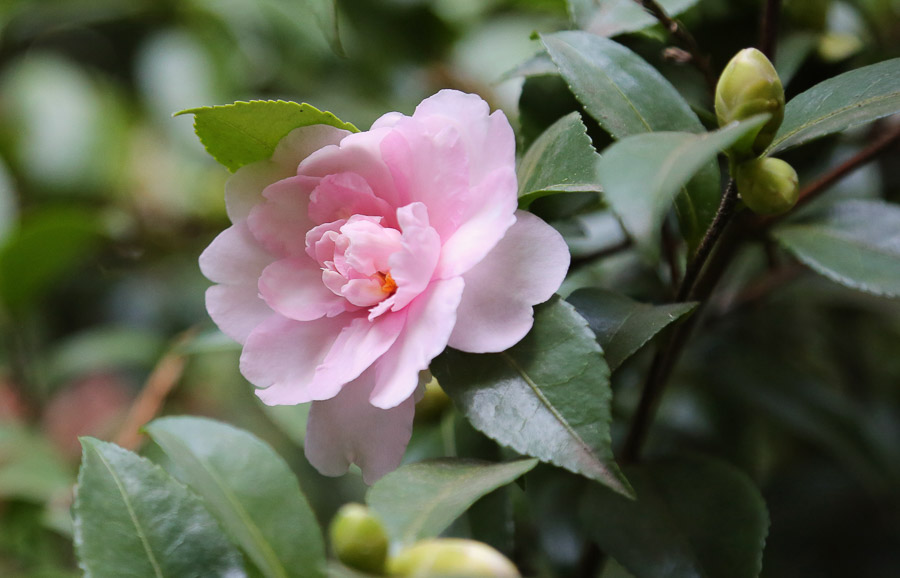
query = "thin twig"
{"x": 163, "y": 379}
{"x": 684, "y": 38}
{"x": 768, "y": 35}
{"x": 723, "y": 215}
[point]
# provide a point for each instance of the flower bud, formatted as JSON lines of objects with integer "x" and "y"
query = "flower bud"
{"x": 451, "y": 557}
{"x": 432, "y": 404}
{"x": 768, "y": 186}
{"x": 358, "y": 539}
{"x": 749, "y": 86}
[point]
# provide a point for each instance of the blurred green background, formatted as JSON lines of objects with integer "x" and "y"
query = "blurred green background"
{"x": 106, "y": 201}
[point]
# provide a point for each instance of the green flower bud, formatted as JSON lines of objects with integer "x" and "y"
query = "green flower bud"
{"x": 432, "y": 404}
{"x": 768, "y": 186}
{"x": 358, "y": 539}
{"x": 749, "y": 86}
{"x": 451, "y": 557}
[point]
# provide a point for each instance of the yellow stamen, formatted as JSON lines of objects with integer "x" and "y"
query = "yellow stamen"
{"x": 388, "y": 285}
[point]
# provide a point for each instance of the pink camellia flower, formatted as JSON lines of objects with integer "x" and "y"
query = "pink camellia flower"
{"x": 354, "y": 259}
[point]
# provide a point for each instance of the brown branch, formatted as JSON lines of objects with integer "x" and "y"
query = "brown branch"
{"x": 684, "y": 38}
{"x": 162, "y": 380}
{"x": 768, "y": 36}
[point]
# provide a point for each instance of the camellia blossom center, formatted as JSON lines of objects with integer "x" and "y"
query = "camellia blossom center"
{"x": 354, "y": 256}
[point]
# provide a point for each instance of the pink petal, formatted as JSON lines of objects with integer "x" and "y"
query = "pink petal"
{"x": 281, "y": 356}
{"x": 488, "y": 138}
{"x": 236, "y": 309}
{"x": 525, "y": 268}
{"x": 485, "y": 223}
{"x": 281, "y": 222}
{"x": 345, "y": 194}
{"x": 293, "y": 287}
{"x": 359, "y": 345}
{"x": 244, "y": 189}
{"x": 348, "y": 429}
{"x": 234, "y": 257}
{"x": 412, "y": 266}
{"x": 357, "y": 153}
{"x": 431, "y": 168}
{"x": 429, "y": 323}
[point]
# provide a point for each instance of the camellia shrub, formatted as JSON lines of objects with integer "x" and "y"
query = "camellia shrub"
{"x": 504, "y": 337}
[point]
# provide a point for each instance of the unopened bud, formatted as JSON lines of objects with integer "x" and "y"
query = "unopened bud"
{"x": 358, "y": 539}
{"x": 768, "y": 186}
{"x": 749, "y": 86}
{"x": 451, "y": 557}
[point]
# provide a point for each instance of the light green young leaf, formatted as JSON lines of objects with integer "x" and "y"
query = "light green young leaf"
{"x": 421, "y": 500}
{"x": 694, "y": 518}
{"x": 855, "y": 243}
{"x": 641, "y": 174}
{"x": 133, "y": 519}
{"x": 250, "y": 490}
{"x": 547, "y": 397}
{"x": 839, "y": 103}
{"x": 614, "y": 17}
{"x": 622, "y": 325}
{"x": 561, "y": 160}
{"x": 627, "y": 96}
{"x": 245, "y": 132}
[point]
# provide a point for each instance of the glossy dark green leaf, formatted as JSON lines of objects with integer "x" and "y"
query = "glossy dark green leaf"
{"x": 30, "y": 469}
{"x": 420, "y": 500}
{"x": 547, "y": 397}
{"x": 617, "y": 87}
{"x": 245, "y": 132}
{"x": 622, "y": 325}
{"x": 47, "y": 245}
{"x": 133, "y": 519}
{"x": 627, "y": 96}
{"x": 641, "y": 174}
{"x": 251, "y": 491}
{"x": 561, "y": 160}
{"x": 855, "y": 243}
{"x": 692, "y": 518}
{"x": 613, "y": 17}
{"x": 847, "y": 100}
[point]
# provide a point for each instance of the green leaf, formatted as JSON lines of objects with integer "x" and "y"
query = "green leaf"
{"x": 47, "y": 245}
{"x": 627, "y": 96}
{"x": 245, "y": 132}
{"x": 855, "y": 243}
{"x": 133, "y": 519}
{"x": 613, "y": 17}
{"x": 30, "y": 469}
{"x": 847, "y": 100}
{"x": 642, "y": 173}
{"x": 547, "y": 397}
{"x": 249, "y": 489}
{"x": 561, "y": 160}
{"x": 419, "y": 501}
{"x": 692, "y": 518}
{"x": 325, "y": 13}
{"x": 617, "y": 87}
{"x": 290, "y": 419}
{"x": 622, "y": 325}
